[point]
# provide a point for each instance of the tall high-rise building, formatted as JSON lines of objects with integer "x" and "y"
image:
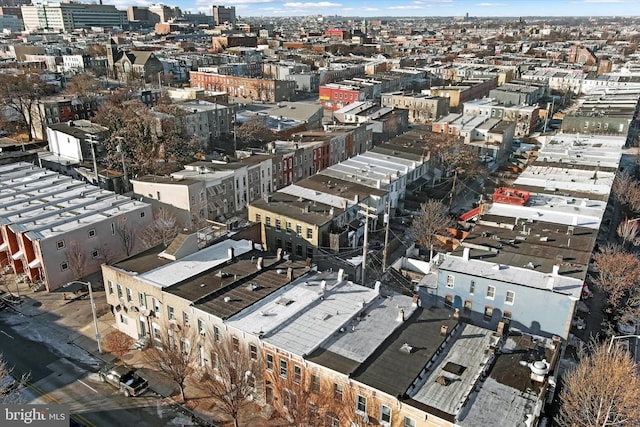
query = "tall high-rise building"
{"x": 71, "y": 16}
{"x": 222, "y": 14}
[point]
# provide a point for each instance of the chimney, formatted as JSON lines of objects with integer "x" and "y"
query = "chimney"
{"x": 290, "y": 273}
{"x": 279, "y": 254}
{"x": 400, "y": 316}
{"x": 465, "y": 254}
{"x": 415, "y": 302}
{"x": 231, "y": 253}
{"x": 259, "y": 263}
{"x": 340, "y": 275}
{"x": 443, "y": 330}
{"x": 323, "y": 286}
{"x": 556, "y": 270}
{"x": 456, "y": 313}
{"x": 376, "y": 287}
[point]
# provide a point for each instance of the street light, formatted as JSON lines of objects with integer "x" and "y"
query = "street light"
{"x": 619, "y": 337}
{"x": 93, "y": 310}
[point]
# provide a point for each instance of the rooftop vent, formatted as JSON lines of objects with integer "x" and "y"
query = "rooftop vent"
{"x": 406, "y": 348}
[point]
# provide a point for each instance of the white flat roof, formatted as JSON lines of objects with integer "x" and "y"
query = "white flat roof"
{"x": 44, "y": 204}
{"x": 318, "y": 196}
{"x": 196, "y": 263}
{"x": 301, "y": 317}
{"x": 469, "y": 350}
{"x": 565, "y": 179}
{"x": 581, "y": 149}
{"x": 555, "y": 209}
{"x": 514, "y": 275}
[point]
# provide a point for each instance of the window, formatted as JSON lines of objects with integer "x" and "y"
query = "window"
{"x": 506, "y": 317}
{"x": 95, "y": 254}
{"x": 450, "y": 280}
{"x": 92, "y": 233}
{"x": 309, "y": 233}
{"x": 491, "y": 292}
{"x": 409, "y": 422}
{"x": 64, "y": 266}
{"x": 201, "y": 327}
{"x": 278, "y": 224}
{"x": 185, "y": 319}
{"x": 284, "y": 368}
{"x": 156, "y": 306}
{"x": 171, "y": 313}
{"x": 269, "y": 221}
{"x": 331, "y": 421}
{"x": 251, "y": 381}
{"x": 488, "y": 313}
{"x": 448, "y": 301}
{"x": 288, "y": 224}
{"x": 385, "y": 415}
{"x": 299, "y": 229}
{"x": 338, "y": 390}
{"x": 216, "y": 334}
{"x": 467, "y": 306}
{"x": 472, "y": 287}
{"x": 141, "y": 214}
{"x": 142, "y": 299}
{"x": 258, "y": 217}
{"x": 110, "y": 285}
{"x": 129, "y": 295}
{"x": 315, "y": 383}
{"x": 119, "y": 287}
{"x": 297, "y": 374}
{"x": 269, "y": 362}
{"x": 510, "y": 297}
{"x": 124, "y": 320}
{"x": 361, "y": 404}
{"x": 113, "y": 228}
{"x": 236, "y": 344}
{"x": 253, "y": 352}
{"x": 60, "y": 244}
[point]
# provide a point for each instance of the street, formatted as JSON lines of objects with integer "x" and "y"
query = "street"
{"x": 56, "y": 379}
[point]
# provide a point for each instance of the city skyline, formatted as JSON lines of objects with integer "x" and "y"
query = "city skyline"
{"x": 477, "y": 8}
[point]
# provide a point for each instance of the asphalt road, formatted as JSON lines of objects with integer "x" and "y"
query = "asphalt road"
{"x": 57, "y": 380}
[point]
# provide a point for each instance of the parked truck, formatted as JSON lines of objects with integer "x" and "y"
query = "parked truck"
{"x": 124, "y": 378}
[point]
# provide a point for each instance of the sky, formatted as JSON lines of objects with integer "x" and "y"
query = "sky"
{"x": 479, "y": 8}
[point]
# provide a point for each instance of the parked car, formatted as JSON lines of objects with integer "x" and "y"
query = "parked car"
{"x": 124, "y": 378}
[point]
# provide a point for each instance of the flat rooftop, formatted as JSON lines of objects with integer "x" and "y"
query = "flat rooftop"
{"x": 44, "y": 204}
{"x": 391, "y": 369}
{"x": 293, "y": 207}
{"x": 587, "y": 150}
{"x": 553, "y": 178}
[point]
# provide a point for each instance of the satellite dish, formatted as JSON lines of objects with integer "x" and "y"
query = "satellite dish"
{"x": 147, "y": 313}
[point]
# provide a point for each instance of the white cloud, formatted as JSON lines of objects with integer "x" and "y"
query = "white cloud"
{"x": 408, "y": 7}
{"x": 312, "y": 4}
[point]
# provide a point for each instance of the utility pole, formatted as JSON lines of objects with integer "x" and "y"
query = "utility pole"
{"x": 120, "y": 149}
{"x": 366, "y": 211}
{"x": 387, "y": 221}
{"x": 453, "y": 188}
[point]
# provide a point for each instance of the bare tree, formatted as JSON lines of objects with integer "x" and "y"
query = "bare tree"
{"x": 232, "y": 383}
{"x": 431, "y": 221}
{"x": 254, "y": 132}
{"x": 118, "y": 343}
{"x": 11, "y": 388}
{"x": 127, "y": 234}
{"x": 628, "y": 232}
{"x": 619, "y": 273}
{"x": 76, "y": 259}
{"x": 627, "y": 191}
{"x": 172, "y": 354}
{"x": 602, "y": 390}
{"x": 21, "y": 93}
{"x": 163, "y": 229}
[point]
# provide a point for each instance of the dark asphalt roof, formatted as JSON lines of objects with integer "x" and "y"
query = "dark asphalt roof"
{"x": 391, "y": 370}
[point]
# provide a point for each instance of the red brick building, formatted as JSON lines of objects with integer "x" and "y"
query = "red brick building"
{"x": 250, "y": 88}
{"x": 335, "y": 96}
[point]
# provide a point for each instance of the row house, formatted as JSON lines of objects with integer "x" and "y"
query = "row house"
{"x": 517, "y": 94}
{"x": 422, "y": 108}
{"x": 335, "y": 96}
{"x": 56, "y": 229}
{"x": 267, "y": 90}
{"x": 208, "y": 121}
{"x": 384, "y": 122}
{"x": 465, "y": 91}
{"x": 525, "y": 117}
{"x": 48, "y": 111}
